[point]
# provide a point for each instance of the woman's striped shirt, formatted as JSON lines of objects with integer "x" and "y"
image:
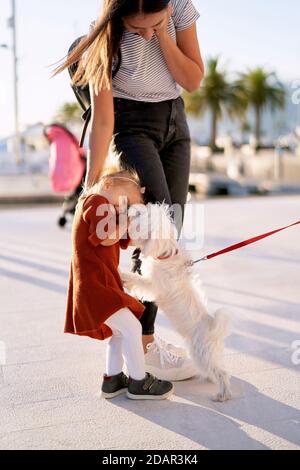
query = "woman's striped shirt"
{"x": 144, "y": 74}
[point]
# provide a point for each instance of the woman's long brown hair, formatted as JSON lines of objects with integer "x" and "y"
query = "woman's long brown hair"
{"x": 95, "y": 53}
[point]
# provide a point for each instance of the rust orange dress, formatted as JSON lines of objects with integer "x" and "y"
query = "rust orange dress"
{"x": 95, "y": 287}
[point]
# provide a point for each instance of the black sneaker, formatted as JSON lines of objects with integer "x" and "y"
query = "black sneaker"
{"x": 150, "y": 388}
{"x": 114, "y": 386}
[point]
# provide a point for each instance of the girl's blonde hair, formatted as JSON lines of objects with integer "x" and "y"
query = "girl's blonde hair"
{"x": 95, "y": 53}
{"x": 121, "y": 178}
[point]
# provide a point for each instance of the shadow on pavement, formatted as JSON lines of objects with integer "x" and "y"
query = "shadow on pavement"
{"x": 217, "y": 426}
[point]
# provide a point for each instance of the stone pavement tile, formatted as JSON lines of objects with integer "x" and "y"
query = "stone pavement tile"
{"x": 254, "y": 361}
{"x": 253, "y": 279}
{"x": 265, "y": 413}
{"x": 270, "y": 330}
{"x": 74, "y": 410}
{"x": 35, "y": 333}
{"x": 123, "y": 427}
{"x": 7, "y": 418}
{"x": 38, "y": 308}
{"x": 283, "y": 356}
{"x": 246, "y": 342}
{"x": 27, "y": 355}
{"x": 60, "y": 346}
{"x": 9, "y": 331}
{"x": 240, "y": 363}
{"x": 258, "y": 409}
{"x": 261, "y": 408}
{"x": 32, "y": 266}
{"x": 251, "y": 293}
{"x": 162, "y": 441}
{"x": 86, "y": 384}
{"x": 82, "y": 435}
{"x": 289, "y": 378}
{"x": 49, "y": 320}
{"x": 265, "y": 330}
{"x": 291, "y": 429}
{"x": 52, "y": 412}
{"x": 274, "y": 440}
{"x": 179, "y": 419}
{"x": 1, "y": 377}
{"x": 27, "y": 252}
{"x": 244, "y": 298}
{"x": 177, "y": 423}
{"x": 284, "y": 395}
{"x": 71, "y": 346}
{"x": 58, "y": 368}
{"x": 34, "y": 391}
{"x": 31, "y": 287}
{"x": 56, "y": 335}
{"x": 23, "y": 341}
{"x": 202, "y": 392}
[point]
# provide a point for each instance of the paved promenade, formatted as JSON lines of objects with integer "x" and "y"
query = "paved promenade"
{"x": 49, "y": 382}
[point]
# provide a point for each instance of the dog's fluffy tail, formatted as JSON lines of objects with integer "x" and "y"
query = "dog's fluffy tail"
{"x": 220, "y": 325}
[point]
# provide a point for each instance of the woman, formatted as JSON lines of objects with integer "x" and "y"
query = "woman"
{"x": 142, "y": 111}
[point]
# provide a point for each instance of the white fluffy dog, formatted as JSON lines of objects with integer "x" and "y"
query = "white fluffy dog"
{"x": 169, "y": 280}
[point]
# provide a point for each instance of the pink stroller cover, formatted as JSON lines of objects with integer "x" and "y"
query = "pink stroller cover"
{"x": 66, "y": 166}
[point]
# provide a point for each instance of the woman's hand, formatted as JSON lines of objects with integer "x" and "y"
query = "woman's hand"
{"x": 163, "y": 27}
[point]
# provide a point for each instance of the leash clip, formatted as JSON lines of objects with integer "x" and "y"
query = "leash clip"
{"x": 192, "y": 263}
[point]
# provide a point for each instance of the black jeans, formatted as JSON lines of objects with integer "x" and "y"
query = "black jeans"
{"x": 154, "y": 139}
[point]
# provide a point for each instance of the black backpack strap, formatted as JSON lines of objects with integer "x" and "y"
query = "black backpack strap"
{"x": 86, "y": 117}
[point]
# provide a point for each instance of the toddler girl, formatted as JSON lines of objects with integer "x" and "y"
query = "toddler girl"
{"x": 97, "y": 305}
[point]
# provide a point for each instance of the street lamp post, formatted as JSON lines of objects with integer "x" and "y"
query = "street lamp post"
{"x": 17, "y": 139}
{"x": 16, "y": 91}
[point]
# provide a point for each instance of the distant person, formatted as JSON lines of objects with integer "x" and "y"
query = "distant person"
{"x": 142, "y": 111}
{"x": 97, "y": 305}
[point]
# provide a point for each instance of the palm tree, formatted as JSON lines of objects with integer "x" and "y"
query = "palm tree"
{"x": 69, "y": 112}
{"x": 261, "y": 89}
{"x": 217, "y": 95}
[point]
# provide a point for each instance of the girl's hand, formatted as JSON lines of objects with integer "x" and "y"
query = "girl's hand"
{"x": 122, "y": 212}
{"x": 122, "y": 206}
{"x": 163, "y": 27}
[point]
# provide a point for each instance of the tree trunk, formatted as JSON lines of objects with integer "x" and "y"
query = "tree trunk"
{"x": 213, "y": 135}
{"x": 258, "y": 126}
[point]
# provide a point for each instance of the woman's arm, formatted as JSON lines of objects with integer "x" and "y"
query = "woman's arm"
{"x": 184, "y": 59}
{"x": 102, "y": 128}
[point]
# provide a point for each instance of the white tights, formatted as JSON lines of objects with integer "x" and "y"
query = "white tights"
{"x": 126, "y": 342}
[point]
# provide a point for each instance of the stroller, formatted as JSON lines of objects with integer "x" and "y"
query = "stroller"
{"x": 67, "y": 167}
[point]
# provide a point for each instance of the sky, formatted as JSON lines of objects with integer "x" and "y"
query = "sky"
{"x": 244, "y": 33}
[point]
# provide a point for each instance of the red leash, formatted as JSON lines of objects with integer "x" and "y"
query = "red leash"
{"x": 244, "y": 243}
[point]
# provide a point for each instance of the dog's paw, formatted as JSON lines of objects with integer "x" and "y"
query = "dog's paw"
{"x": 222, "y": 397}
